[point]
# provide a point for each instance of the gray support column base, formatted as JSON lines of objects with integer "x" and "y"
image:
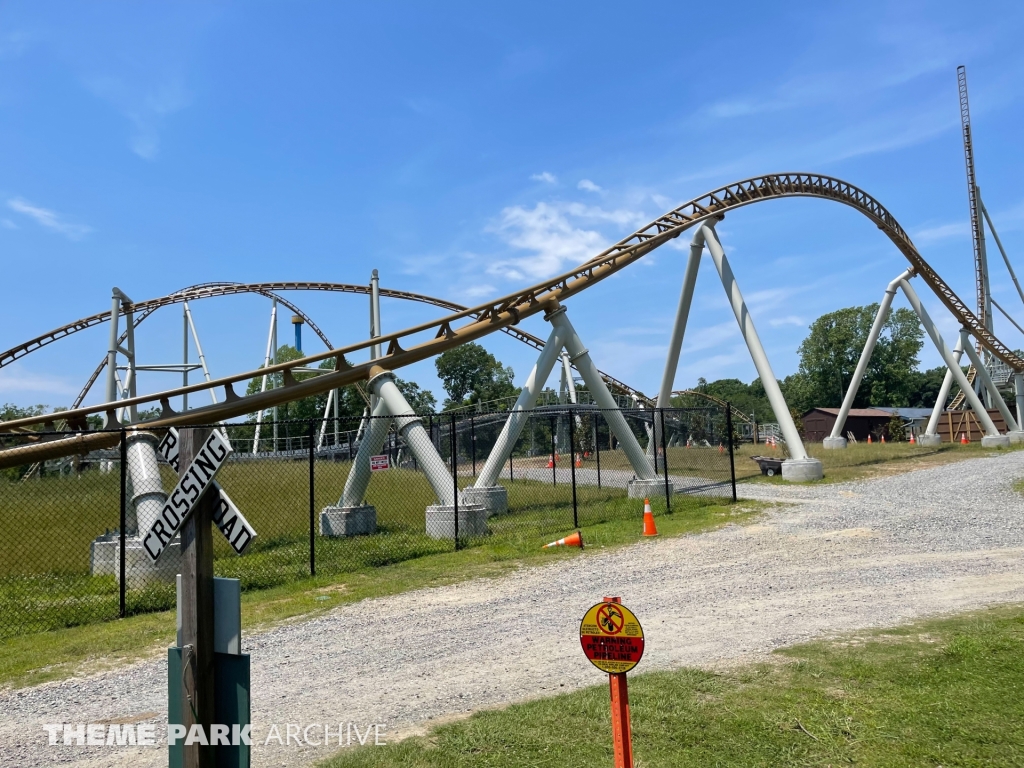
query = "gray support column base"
{"x": 105, "y": 560}
{"x": 493, "y": 498}
{"x": 441, "y": 521}
{"x": 834, "y": 443}
{"x": 1016, "y": 436}
{"x": 929, "y": 441}
{"x": 638, "y": 488}
{"x": 802, "y": 470}
{"x": 348, "y": 521}
{"x": 995, "y": 441}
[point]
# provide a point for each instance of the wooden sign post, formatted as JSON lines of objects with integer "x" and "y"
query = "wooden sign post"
{"x": 197, "y": 608}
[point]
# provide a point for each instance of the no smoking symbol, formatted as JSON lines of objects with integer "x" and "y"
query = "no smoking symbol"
{"x": 610, "y": 619}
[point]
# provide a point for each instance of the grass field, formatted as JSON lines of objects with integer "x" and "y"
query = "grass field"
{"x": 48, "y": 524}
{"x": 29, "y": 659}
{"x": 937, "y": 693}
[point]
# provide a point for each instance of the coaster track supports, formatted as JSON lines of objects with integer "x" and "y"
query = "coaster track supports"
{"x": 836, "y": 440}
{"x": 1013, "y": 431}
{"x": 931, "y": 434}
{"x": 800, "y": 466}
{"x": 992, "y": 437}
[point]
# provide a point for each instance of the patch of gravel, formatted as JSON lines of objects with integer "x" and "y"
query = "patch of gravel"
{"x": 835, "y": 558}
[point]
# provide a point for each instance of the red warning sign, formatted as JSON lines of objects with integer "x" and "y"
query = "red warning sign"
{"x": 377, "y": 463}
{"x": 612, "y": 637}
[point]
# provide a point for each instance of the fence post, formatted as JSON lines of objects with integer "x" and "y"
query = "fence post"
{"x": 732, "y": 460}
{"x": 572, "y": 468}
{"x": 455, "y": 475}
{"x": 472, "y": 441}
{"x": 554, "y": 468}
{"x": 312, "y": 513}
{"x": 597, "y": 445}
{"x": 124, "y": 518}
{"x": 664, "y": 463}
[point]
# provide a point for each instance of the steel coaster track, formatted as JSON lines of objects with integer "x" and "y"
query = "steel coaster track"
{"x": 508, "y": 311}
{"x": 144, "y": 309}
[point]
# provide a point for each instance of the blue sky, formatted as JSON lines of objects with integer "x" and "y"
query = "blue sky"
{"x": 466, "y": 149}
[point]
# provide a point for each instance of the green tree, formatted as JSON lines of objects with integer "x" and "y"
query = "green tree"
{"x": 470, "y": 374}
{"x": 420, "y": 400}
{"x": 829, "y": 355}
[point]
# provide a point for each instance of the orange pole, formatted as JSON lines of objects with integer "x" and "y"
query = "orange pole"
{"x": 622, "y": 731}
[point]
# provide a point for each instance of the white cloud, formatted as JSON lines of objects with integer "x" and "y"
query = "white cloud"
{"x": 478, "y": 291}
{"x": 777, "y": 322}
{"x": 588, "y": 186}
{"x": 547, "y": 178}
{"x": 48, "y": 219}
{"x": 146, "y": 110}
{"x": 943, "y": 232}
{"x": 36, "y": 384}
{"x": 552, "y": 232}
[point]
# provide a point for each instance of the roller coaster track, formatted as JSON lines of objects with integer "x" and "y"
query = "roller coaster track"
{"x": 712, "y": 399}
{"x": 505, "y": 312}
{"x": 144, "y": 309}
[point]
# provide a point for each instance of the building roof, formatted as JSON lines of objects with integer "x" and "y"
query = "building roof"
{"x": 875, "y": 412}
{"x": 907, "y": 413}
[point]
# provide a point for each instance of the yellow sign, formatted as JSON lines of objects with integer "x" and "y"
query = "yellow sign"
{"x": 612, "y": 637}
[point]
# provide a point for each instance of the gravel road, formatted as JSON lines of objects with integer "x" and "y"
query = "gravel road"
{"x": 835, "y": 558}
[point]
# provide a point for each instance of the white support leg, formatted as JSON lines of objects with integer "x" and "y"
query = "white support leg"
{"x": 1012, "y": 430}
{"x": 647, "y": 480}
{"x": 373, "y": 440}
{"x": 1018, "y": 389}
{"x": 836, "y": 440}
{"x": 263, "y": 384}
{"x": 486, "y": 490}
{"x": 675, "y": 343}
{"x": 801, "y": 467}
{"x": 931, "y": 438}
{"x": 992, "y": 437}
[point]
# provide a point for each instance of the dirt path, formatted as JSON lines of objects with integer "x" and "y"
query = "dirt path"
{"x": 839, "y": 557}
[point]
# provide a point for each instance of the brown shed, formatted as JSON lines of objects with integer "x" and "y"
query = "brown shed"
{"x": 818, "y": 423}
{"x": 953, "y": 424}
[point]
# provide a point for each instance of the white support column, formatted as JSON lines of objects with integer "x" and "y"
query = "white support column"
{"x": 410, "y": 426}
{"x": 675, "y": 343}
{"x": 992, "y": 437}
{"x": 263, "y": 384}
{"x": 184, "y": 359}
{"x": 373, "y": 440}
{"x": 801, "y": 467}
{"x": 647, "y": 482}
{"x": 117, "y": 299}
{"x": 931, "y": 436}
{"x": 133, "y": 387}
{"x": 836, "y": 440}
{"x": 323, "y": 422}
{"x": 486, "y": 491}
{"x": 1012, "y": 430}
{"x": 1018, "y": 389}
{"x": 199, "y": 350}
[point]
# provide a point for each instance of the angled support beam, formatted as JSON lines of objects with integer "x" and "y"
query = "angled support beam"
{"x": 647, "y": 482}
{"x": 836, "y": 440}
{"x": 801, "y": 467}
{"x": 1013, "y": 431}
{"x": 931, "y": 435}
{"x": 992, "y": 437}
{"x": 263, "y": 385}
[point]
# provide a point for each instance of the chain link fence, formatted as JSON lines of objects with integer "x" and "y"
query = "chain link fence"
{"x": 335, "y": 496}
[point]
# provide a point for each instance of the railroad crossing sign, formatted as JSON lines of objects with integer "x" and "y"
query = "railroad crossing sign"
{"x": 612, "y": 637}
{"x": 191, "y": 486}
{"x": 377, "y": 463}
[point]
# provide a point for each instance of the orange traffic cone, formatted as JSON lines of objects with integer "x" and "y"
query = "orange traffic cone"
{"x": 721, "y": 448}
{"x": 963, "y": 438}
{"x": 869, "y": 439}
{"x": 650, "y": 529}
{"x": 575, "y": 540}
{"x": 579, "y": 462}
{"x": 550, "y": 463}
{"x": 912, "y": 440}
{"x": 883, "y": 439}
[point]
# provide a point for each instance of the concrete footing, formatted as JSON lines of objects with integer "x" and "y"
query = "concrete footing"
{"x": 493, "y": 498}
{"x": 645, "y": 489}
{"x": 348, "y": 521}
{"x": 929, "y": 441}
{"x": 1016, "y": 437}
{"x": 995, "y": 441}
{"x": 139, "y": 570}
{"x": 833, "y": 443}
{"x": 802, "y": 470}
{"x": 441, "y": 521}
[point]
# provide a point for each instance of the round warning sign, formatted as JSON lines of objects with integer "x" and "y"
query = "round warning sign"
{"x": 612, "y": 637}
